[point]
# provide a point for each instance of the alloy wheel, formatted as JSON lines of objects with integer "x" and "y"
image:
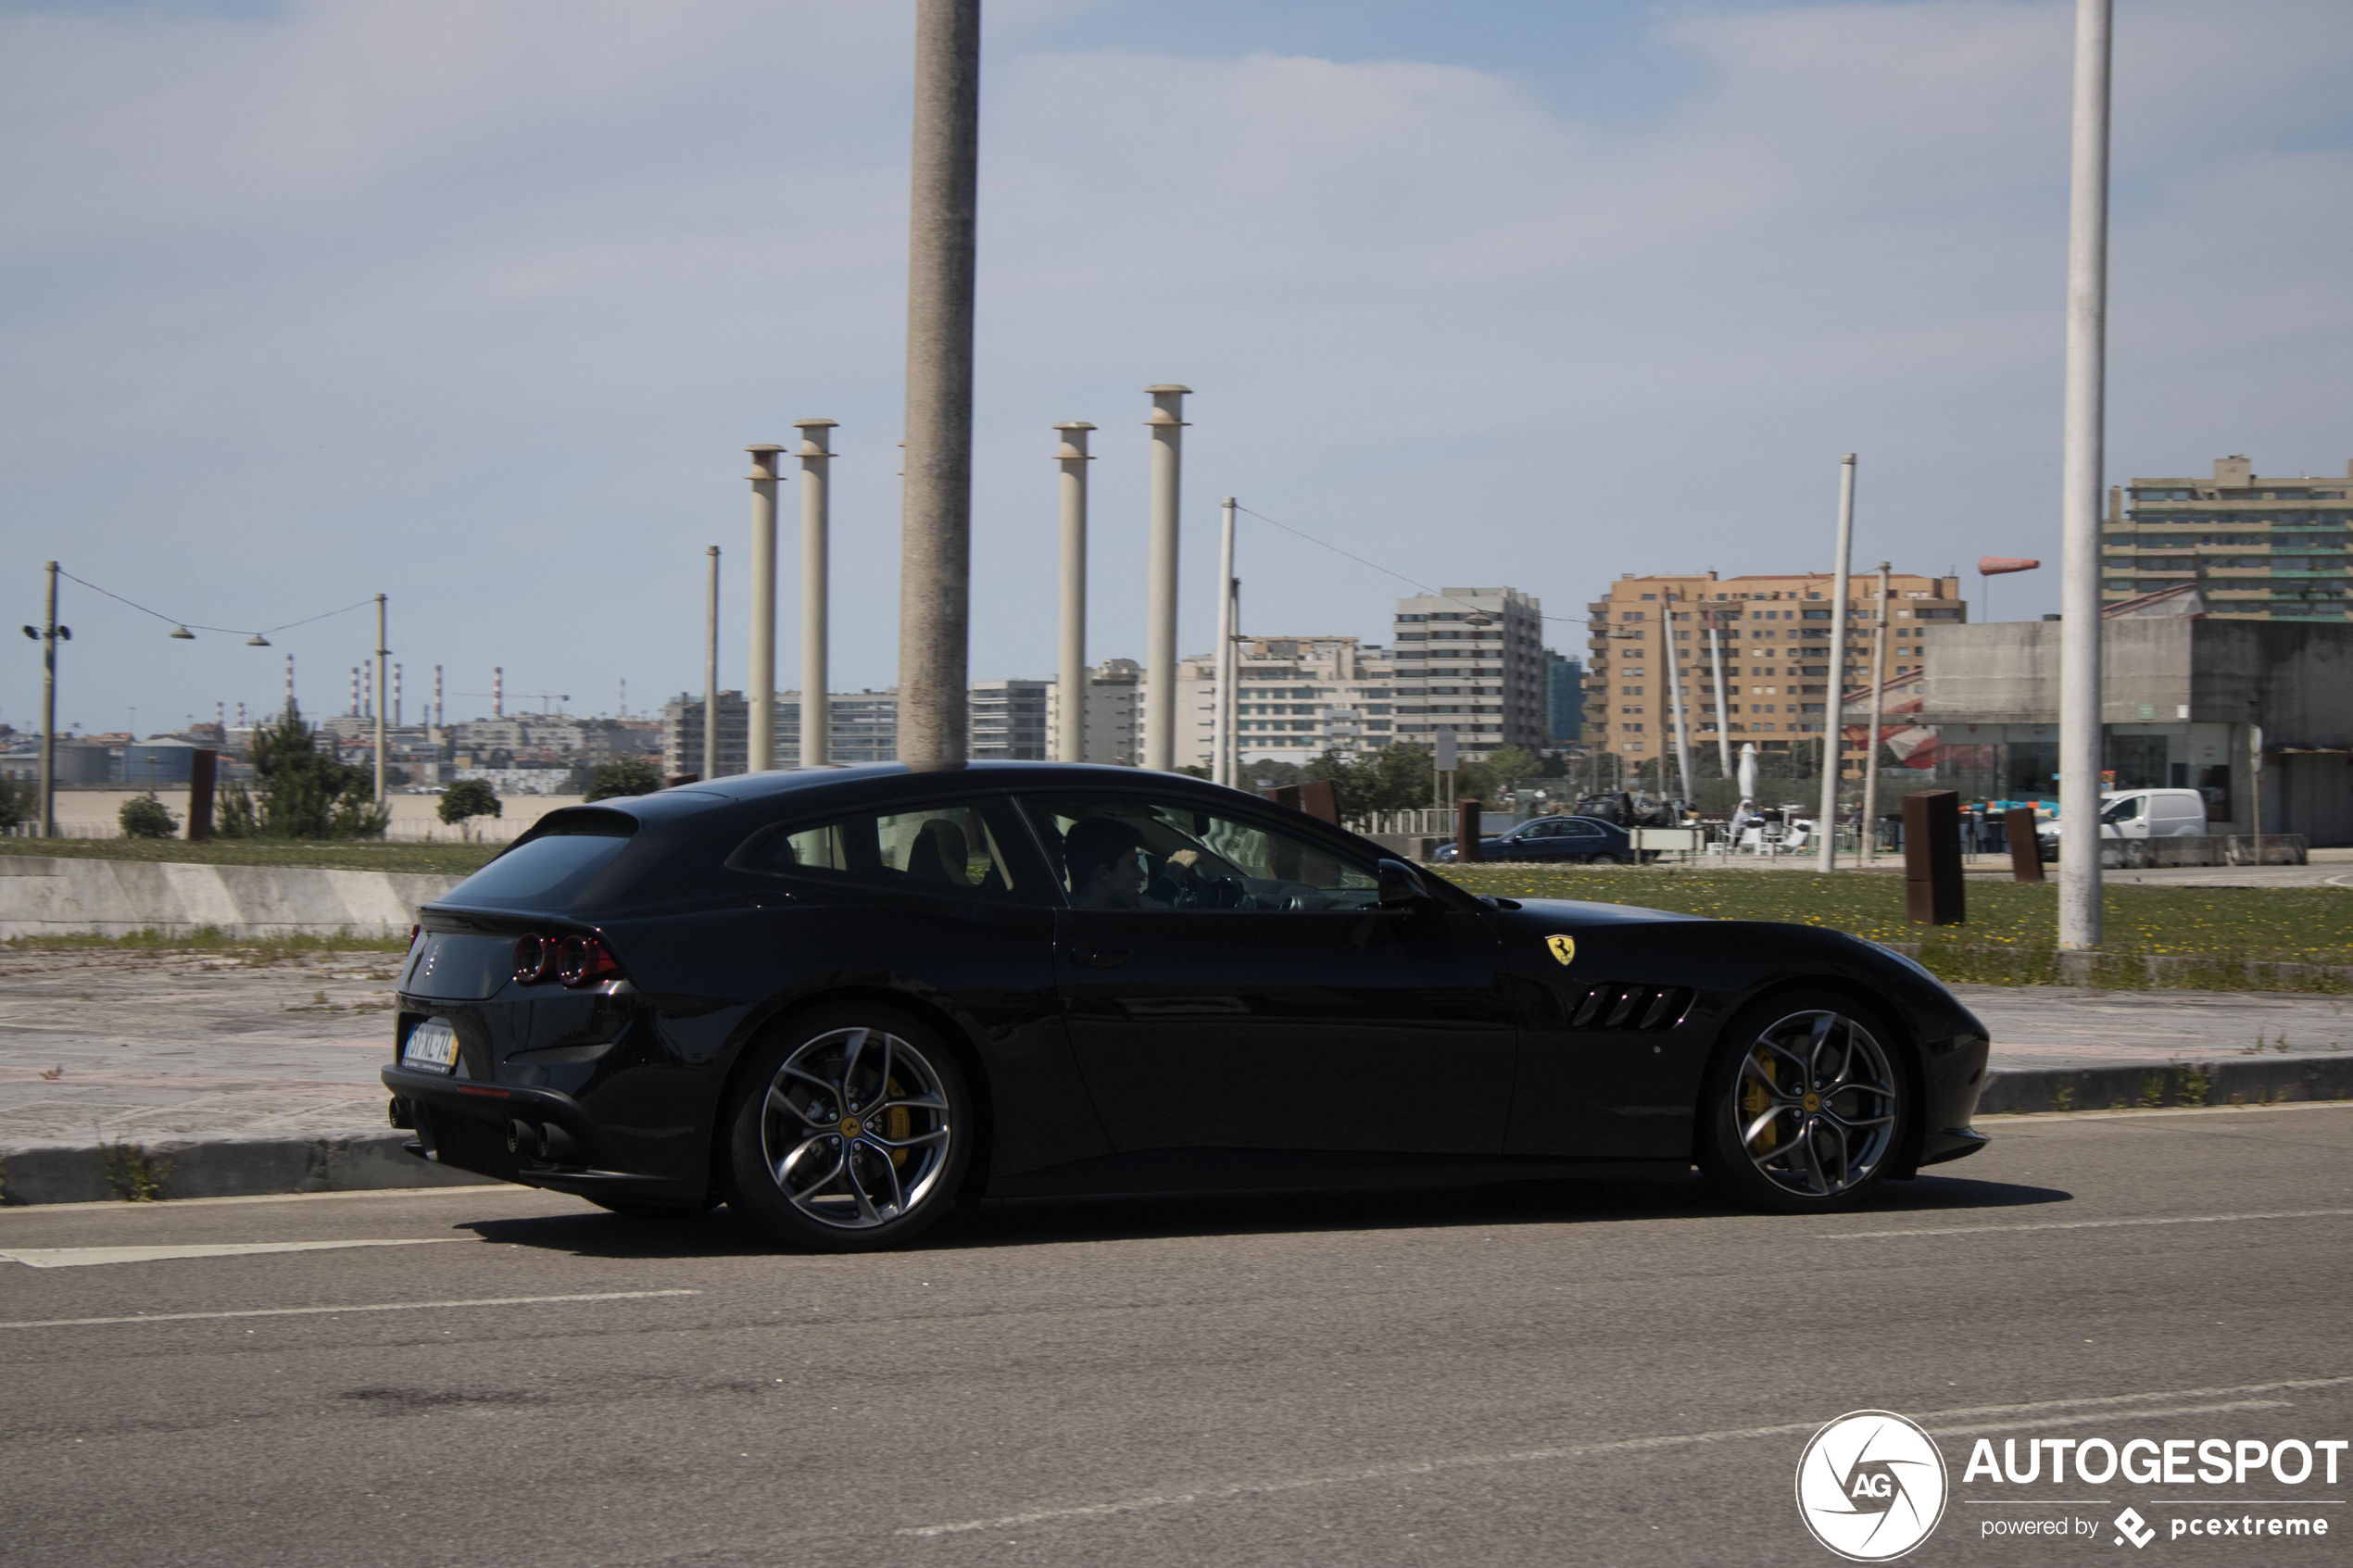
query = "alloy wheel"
{"x": 1814, "y": 1108}
{"x": 855, "y": 1128}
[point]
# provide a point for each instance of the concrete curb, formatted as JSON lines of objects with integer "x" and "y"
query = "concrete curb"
{"x": 371, "y": 1160}
{"x": 2248, "y": 1080}
{"x": 232, "y": 1167}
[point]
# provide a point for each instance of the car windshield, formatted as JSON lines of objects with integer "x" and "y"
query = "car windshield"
{"x": 552, "y": 867}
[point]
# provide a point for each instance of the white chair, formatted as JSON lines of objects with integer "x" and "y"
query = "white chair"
{"x": 1794, "y": 839}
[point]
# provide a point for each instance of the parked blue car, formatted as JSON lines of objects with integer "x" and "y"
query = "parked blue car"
{"x": 1578, "y": 840}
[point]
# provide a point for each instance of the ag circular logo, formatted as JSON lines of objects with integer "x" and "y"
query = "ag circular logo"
{"x": 1870, "y": 1485}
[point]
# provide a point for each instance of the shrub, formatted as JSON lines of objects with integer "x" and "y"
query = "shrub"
{"x": 625, "y": 776}
{"x": 17, "y": 803}
{"x": 146, "y": 817}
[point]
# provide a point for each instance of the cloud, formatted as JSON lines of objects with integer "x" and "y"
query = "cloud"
{"x": 475, "y": 303}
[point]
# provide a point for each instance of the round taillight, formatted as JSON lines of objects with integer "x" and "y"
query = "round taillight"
{"x": 534, "y": 961}
{"x": 577, "y": 961}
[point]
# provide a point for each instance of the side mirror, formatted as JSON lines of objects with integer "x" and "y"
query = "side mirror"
{"x": 1400, "y": 887}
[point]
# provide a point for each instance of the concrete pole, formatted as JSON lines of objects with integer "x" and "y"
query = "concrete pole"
{"x": 760, "y": 688}
{"x": 1222, "y": 666}
{"x": 1231, "y": 697}
{"x": 49, "y": 711}
{"x": 1879, "y": 706}
{"x": 935, "y": 573}
{"x": 1675, "y": 695}
{"x": 1160, "y": 617}
{"x": 711, "y": 666}
{"x": 816, "y": 576}
{"x": 382, "y": 653}
{"x": 1723, "y": 714}
{"x": 1833, "y": 742}
{"x": 497, "y": 691}
{"x": 1070, "y": 668}
{"x": 2085, "y": 425}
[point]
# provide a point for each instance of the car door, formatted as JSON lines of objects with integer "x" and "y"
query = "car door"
{"x": 1231, "y": 982}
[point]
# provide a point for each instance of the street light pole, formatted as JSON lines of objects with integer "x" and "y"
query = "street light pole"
{"x": 49, "y": 712}
{"x": 382, "y": 653}
{"x": 1834, "y": 739}
{"x": 2080, "y": 728}
{"x": 1879, "y": 707}
{"x": 1221, "y": 755}
{"x": 711, "y": 669}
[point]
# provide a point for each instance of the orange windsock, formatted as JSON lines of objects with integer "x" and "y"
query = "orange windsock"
{"x": 1994, "y": 566}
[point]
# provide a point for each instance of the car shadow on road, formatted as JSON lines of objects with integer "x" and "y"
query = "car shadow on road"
{"x": 1062, "y": 1221}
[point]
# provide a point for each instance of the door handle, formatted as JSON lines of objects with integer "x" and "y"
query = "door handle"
{"x": 1098, "y": 958}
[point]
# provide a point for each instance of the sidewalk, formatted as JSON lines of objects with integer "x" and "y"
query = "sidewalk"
{"x": 261, "y": 1076}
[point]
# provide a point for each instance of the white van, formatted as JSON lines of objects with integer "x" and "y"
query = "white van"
{"x": 2145, "y": 813}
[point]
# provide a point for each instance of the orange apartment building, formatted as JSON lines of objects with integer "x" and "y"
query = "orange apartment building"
{"x": 1770, "y": 636}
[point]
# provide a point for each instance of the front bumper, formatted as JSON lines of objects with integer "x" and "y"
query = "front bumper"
{"x": 533, "y": 1136}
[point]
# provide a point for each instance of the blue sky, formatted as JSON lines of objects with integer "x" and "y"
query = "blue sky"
{"x": 474, "y": 303}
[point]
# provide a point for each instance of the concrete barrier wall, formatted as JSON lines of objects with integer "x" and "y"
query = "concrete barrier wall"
{"x": 55, "y": 897}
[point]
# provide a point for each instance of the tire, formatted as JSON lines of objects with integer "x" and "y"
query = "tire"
{"x": 1766, "y": 1142}
{"x": 850, "y": 1130}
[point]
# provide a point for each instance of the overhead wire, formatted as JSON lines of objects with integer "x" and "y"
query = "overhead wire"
{"x": 1386, "y": 572}
{"x": 196, "y": 625}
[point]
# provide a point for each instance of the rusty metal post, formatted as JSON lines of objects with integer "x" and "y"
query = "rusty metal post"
{"x": 201, "y": 764}
{"x": 1466, "y": 832}
{"x": 2026, "y": 849}
{"x": 1932, "y": 888}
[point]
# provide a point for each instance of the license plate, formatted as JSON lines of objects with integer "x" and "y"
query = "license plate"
{"x": 432, "y": 1048}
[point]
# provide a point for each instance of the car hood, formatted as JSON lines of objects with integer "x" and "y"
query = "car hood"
{"x": 1583, "y": 912}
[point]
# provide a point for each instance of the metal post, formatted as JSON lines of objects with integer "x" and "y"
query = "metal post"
{"x": 1232, "y": 697}
{"x": 759, "y": 686}
{"x": 382, "y": 653}
{"x": 934, "y": 574}
{"x": 816, "y": 543}
{"x": 1070, "y": 669}
{"x": 1723, "y": 714}
{"x": 1675, "y": 695}
{"x": 711, "y": 667}
{"x": 1221, "y": 761}
{"x": 49, "y": 711}
{"x": 1879, "y": 707}
{"x": 1160, "y": 617}
{"x": 2079, "y": 729}
{"x": 1833, "y": 747}
{"x": 2255, "y": 785}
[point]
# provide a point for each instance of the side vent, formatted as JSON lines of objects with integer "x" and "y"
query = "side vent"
{"x": 1628, "y": 1006}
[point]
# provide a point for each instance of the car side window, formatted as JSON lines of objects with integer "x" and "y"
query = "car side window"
{"x": 1129, "y": 852}
{"x": 1577, "y": 828}
{"x": 950, "y": 847}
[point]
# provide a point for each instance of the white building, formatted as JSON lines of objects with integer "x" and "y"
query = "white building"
{"x": 1472, "y": 661}
{"x": 1296, "y": 698}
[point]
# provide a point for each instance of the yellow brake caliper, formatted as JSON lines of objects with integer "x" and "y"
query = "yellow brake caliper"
{"x": 1754, "y": 1101}
{"x": 896, "y": 1120}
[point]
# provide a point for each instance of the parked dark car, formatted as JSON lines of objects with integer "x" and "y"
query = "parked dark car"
{"x": 841, "y": 999}
{"x": 1577, "y": 840}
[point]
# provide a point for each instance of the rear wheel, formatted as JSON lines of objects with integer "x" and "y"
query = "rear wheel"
{"x": 850, "y": 1132}
{"x": 1805, "y": 1105}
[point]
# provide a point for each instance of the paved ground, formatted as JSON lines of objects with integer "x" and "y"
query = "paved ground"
{"x": 1539, "y": 1375}
{"x": 135, "y": 1045}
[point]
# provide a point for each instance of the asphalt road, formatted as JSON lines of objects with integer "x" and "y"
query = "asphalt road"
{"x": 1557, "y": 1375}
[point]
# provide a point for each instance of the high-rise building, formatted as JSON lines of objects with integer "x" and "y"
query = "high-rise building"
{"x": 1774, "y": 635}
{"x": 1008, "y": 720}
{"x": 2272, "y": 549}
{"x": 1472, "y": 661}
{"x": 1115, "y": 713}
{"x": 1295, "y": 699}
{"x": 1564, "y": 698}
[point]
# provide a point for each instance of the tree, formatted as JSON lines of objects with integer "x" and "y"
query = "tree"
{"x": 304, "y": 793}
{"x": 17, "y": 803}
{"x": 146, "y": 817}
{"x": 623, "y": 776}
{"x": 1508, "y": 762}
{"x": 467, "y": 800}
{"x": 1395, "y": 778}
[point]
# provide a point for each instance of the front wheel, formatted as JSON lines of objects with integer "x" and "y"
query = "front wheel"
{"x": 850, "y": 1131}
{"x": 1804, "y": 1107}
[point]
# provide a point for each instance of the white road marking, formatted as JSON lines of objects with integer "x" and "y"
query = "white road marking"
{"x": 84, "y": 1257}
{"x": 2093, "y": 1224}
{"x": 337, "y": 1312}
{"x": 2087, "y": 1409}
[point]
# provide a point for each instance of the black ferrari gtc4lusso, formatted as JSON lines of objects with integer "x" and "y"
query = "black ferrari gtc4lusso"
{"x": 841, "y": 999}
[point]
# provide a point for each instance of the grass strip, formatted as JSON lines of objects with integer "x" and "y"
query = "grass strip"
{"x": 2011, "y": 936}
{"x": 340, "y": 854}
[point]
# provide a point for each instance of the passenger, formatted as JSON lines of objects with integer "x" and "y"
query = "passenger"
{"x": 1104, "y": 856}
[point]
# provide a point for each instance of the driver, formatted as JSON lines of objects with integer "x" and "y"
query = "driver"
{"x": 1104, "y": 856}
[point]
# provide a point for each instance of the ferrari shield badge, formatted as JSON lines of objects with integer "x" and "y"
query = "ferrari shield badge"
{"x": 1562, "y": 947}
